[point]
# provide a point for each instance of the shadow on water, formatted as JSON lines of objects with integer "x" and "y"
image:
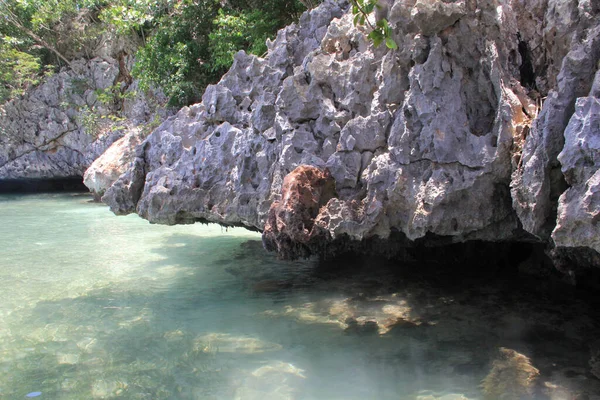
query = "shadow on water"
{"x": 21, "y": 186}
{"x": 212, "y": 319}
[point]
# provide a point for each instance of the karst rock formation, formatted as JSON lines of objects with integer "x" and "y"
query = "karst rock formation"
{"x": 484, "y": 125}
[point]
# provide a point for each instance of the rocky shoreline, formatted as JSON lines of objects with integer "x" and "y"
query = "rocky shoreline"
{"x": 471, "y": 130}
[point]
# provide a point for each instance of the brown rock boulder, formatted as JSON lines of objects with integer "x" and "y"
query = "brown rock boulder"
{"x": 290, "y": 225}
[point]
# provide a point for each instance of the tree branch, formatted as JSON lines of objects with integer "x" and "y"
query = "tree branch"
{"x": 14, "y": 20}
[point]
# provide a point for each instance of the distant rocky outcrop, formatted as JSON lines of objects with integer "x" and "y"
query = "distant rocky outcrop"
{"x": 59, "y": 128}
{"x": 453, "y": 137}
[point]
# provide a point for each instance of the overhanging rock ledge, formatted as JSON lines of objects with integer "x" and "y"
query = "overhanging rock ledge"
{"x": 455, "y": 135}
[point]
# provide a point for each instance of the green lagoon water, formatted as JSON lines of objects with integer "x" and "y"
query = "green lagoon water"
{"x": 95, "y": 306}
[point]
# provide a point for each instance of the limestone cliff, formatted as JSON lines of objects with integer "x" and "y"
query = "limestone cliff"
{"x": 453, "y": 137}
{"x": 59, "y": 128}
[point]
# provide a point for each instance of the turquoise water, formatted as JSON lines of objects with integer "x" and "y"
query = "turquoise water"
{"x": 95, "y": 306}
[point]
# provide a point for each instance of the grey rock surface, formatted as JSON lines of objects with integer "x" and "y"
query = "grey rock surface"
{"x": 59, "y": 128}
{"x": 440, "y": 138}
{"x": 579, "y": 206}
{"x": 538, "y": 182}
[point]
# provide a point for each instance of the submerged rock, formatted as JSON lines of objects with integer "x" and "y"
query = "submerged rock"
{"x": 278, "y": 367}
{"x": 595, "y": 360}
{"x": 444, "y": 140}
{"x": 512, "y": 377}
{"x": 225, "y": 343}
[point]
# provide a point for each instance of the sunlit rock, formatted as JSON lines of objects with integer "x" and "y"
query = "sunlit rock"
{"x": 579, "y": 206}
{"x": 538, "y": 182}
{"x": 107, "y": 168}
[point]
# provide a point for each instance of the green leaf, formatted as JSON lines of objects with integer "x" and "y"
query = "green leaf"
{"x": 390, "y": 43}
{"x": 382, "y": 23}
{"x": 376, "y": 37}
{"x": 356, "y": 18}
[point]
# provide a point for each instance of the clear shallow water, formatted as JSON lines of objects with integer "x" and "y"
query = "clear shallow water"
{"x": 95, "y": 306}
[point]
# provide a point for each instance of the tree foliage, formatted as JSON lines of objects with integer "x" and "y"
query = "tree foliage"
{"x": 185, "y": 44}
{"x": 18, "y": 71}
{"x": 176, "y": 55}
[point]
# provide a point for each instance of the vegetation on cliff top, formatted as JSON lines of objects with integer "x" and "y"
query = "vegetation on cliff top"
{"x": 181, "y": 45}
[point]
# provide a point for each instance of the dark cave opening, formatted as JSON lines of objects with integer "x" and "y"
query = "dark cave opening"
{"x": 67, "y": 184}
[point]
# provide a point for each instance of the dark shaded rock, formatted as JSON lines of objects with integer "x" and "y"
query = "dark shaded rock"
{"x": 595, "y": 360}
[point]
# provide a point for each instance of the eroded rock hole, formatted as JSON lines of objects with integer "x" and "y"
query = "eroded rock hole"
{"x": 527, "y": 77}
{"x": 454, "y": 224}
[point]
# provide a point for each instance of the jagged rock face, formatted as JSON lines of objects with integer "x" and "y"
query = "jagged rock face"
{"x": 579, "y": 206}
{"x": 58, "y": 129}
{"x": 425, "y": 141}
{"x": 538, "y": 182}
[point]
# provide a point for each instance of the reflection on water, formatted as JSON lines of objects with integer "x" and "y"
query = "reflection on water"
{"x": 95, "y": 306}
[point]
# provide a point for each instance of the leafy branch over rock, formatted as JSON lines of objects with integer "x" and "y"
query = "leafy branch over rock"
{"x": 381, "y": 31}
